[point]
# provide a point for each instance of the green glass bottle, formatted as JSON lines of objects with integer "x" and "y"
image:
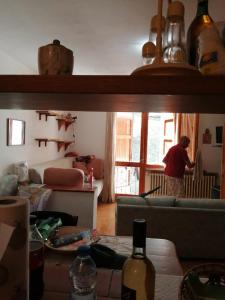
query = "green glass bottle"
{"x": 201, "y": 21}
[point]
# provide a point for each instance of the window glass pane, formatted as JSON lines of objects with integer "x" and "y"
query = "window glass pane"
{"x": 169, "y": 129}
{"x": 128, "y": 134}
{"x": 127, "y": 180}
{"x": 160, "y": 136}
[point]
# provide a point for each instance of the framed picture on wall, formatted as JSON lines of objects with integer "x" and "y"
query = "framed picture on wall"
{"x": 15, "y": 132}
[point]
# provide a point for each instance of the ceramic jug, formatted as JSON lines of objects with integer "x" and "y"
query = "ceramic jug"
{"x": 55, "y": 59}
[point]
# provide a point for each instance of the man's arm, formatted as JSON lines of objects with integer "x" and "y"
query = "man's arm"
{"x": 189, "y": 164}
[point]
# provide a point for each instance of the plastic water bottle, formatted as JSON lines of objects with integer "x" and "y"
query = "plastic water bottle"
{"x": 83, "y": 275}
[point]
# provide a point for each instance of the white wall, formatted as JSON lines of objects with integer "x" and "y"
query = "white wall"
{"x": 90, "y": 133}
{"x": 35, "y": 128}
{"x": 89, "y": 130}
{"x": 211, "y": 155}
{"x": 9, "y": 65}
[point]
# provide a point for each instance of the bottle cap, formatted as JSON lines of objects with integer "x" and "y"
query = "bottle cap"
{"x": 139, "y": 233}
{"x": 148, "y": 50}
{"x": 155, "y": 23}
{"x": 175, "y": 8}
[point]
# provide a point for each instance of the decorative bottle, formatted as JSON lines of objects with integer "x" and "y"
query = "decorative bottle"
{"x": 149, "y": 48}
{"x": 174, "y": 45}
{"x": 83, "y": 275}
{"x": 201, "y": 21}
{"x": 138, "y": 273}
{"x": 91, "y": 178}
{"x": 211, "y": 52}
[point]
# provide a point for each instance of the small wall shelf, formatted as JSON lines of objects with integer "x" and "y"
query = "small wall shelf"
{"x": 46, "y": 113}
{"x": 42, "y": 140}
{"x": 65, "y": 122}
{"x": 60, "y": 143}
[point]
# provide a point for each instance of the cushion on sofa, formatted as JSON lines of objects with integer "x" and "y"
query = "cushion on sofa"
{"x": 66, "y": 177}
{"x": 135, "y": 200}
{"x": 200, "y": 203}
{"x": 166, "y": 201}
{"x": 9, "y": 185}
{"x": 34, "y": 176}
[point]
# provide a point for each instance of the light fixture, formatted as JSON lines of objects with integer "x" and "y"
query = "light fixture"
{"x": 157, "y": 66}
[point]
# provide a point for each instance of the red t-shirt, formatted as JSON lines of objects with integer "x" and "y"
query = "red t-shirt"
{"x": 175, "y": 161}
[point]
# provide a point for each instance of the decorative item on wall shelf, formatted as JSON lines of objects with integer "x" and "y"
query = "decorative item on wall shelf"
{"x": 63, "y": 119}
{"x": 66, "y": 120}
{"x": 55, "y": 59}
{"x": 15, "y": 132}
{"x": 206, "y": 137}
{"x": 158, "y": 66}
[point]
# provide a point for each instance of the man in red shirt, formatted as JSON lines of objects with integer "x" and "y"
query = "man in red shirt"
{"x": 176, "y": 159}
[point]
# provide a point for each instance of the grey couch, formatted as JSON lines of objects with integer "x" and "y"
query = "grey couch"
{"x": 196, "y": 226}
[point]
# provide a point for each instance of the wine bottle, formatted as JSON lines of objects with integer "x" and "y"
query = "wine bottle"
{"x": 138, "y": 273}
{"x": 201, "y": 21}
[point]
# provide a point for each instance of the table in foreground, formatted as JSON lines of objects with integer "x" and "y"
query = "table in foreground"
{"x": 57, "y": 285}
{"x": 161, "y": 252}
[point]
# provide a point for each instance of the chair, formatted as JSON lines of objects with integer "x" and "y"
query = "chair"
{"x": 67, "y": 219}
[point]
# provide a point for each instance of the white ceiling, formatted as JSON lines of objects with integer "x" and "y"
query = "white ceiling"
{"x": 106, "y": 36}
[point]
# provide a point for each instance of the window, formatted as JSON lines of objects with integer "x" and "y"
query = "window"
{"x": 161, "y": 136}
{"x": 142, "y": 140}
{"x": 128, "y": 143}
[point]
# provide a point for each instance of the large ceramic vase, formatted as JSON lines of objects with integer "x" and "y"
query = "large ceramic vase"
{"x": 55, "y": 59}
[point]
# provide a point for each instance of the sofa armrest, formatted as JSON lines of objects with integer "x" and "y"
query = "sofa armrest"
{"x": 64, "y": 177}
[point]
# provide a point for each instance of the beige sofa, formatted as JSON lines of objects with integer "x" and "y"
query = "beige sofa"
{"x": 196, "y": 226}
{"x": 80, "y": 201}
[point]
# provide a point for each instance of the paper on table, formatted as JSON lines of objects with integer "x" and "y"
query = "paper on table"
{"x": 5, "y": 234}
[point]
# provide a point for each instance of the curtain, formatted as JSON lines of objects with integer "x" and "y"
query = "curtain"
{"x": 107, "y": 194}
{"x": 187, "y": 124}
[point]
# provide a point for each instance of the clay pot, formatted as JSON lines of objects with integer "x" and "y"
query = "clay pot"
{"x": 55, "y": 59}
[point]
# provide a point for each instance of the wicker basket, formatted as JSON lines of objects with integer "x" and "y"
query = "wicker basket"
{"x": 209, "y": 273}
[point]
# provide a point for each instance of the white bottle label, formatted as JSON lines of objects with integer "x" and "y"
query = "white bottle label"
{"x": 211, "y": 52}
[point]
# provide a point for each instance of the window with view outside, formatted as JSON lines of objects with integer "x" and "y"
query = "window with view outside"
{"x": 127, "y": 180}
{"x": 161, "y": 136}
{"x": 128, "y": 140}
{"x": 157, "y": 131}
{"x": 128, "y": 136}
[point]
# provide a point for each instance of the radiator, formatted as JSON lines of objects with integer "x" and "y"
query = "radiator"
{"x": 193, "y": 189}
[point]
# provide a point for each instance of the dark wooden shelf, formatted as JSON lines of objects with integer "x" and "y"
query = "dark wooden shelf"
{"x": 205, "y": 94}
{"x": 66, "y": 123}
{"x": 60, "y": 144}
{"x": 40, "y": 140}
{"x": 46, "y": 113}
